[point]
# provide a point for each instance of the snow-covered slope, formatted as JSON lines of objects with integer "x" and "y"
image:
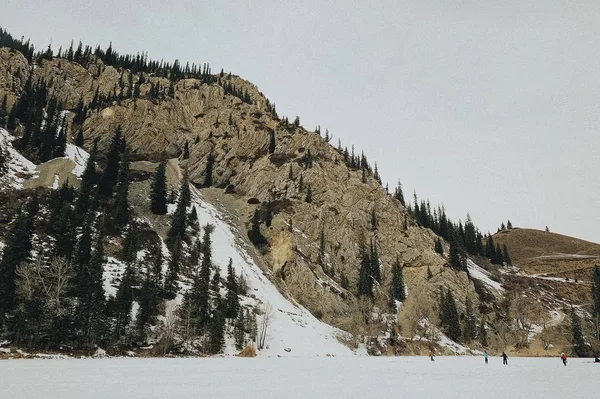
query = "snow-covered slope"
{"x": 293, "y": 330}
{"x": 479, "y": 273}
{"x": 19, "y": 167}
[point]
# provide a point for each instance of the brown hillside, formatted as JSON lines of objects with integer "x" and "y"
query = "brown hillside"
{"x": 542, "y": 252}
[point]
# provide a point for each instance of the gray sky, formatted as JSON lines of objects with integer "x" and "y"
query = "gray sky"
{"x": 489, "y": 107}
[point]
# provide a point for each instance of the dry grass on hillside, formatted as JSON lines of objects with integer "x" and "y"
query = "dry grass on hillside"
{"x": 550, "y": 254}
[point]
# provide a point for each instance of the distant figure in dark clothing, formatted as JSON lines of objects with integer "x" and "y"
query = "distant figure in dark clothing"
{"x": 596, "y": 360}
{"x": 504, "y": 358}
{"x": 431, "y": 355}
{"x": 485, "y": 356}
{"x": 563, "y": 357}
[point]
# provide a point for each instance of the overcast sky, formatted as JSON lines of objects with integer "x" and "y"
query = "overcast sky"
{"x": 489, "y": 107}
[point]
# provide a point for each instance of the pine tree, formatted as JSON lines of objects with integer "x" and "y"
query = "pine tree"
{"x": 232, "y": 301}
{"x": 397, "y": 288}
{"x": 365, "y": 280}
{"x": 239, "y": 332}
{"x": 79, "y": 138}
{"x": 148, "y": 301}
{"x": 509, "y": 225}
{"x": 470, "y": 325}
{"x": 429, "y": 273}
{"x": 308, "y": 197}
{"x": 216, "y": 333}
{"x": 300, "y": 184}
{"x": 158, "y": 190}
{"x": 186, "y": 150}
{"x": 321, "y": 254}
{"x": 179, "y": 220}
{"x": 92, "y": 301}
{"x": 88, "y": 179}
{"x": 438, "y": 247}
{"x": 374, "y": 259}
{"x": 122, "y": 213}
{"x": 505, "y": 255}
{"x": 483, "y": 334}
{"x": 123, "y": 303}
{"x": 596, "y": 290}
{"x": 450, "y": 319}
{"x": 65, "y": 233}
{"x": 111, "y": 172}
{"x": 171, "y": 286}
{"x": 203, "y": 279}
{"x": 455, "y": 260}
{"x": 272, "y": 142}
{"x": 499, "y": 257}
{"x": 580, "y": 347}
{"x": 208, "y": 172}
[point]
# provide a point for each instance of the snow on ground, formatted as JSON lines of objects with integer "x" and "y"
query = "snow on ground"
{"x": 113, "y": 270}
{"x": 565, "y": 256}
{"x": 459, "y": 377}
{"x": 292, "y": 327}
{"x": 79, "y": 156}
{"x": 18, "y": 166}
{"x": 483, "y": 275}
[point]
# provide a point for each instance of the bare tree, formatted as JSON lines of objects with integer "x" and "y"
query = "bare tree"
{"x": 526, "y": 313}
{"x": 265, "y": 322}
{"x": 51, "y": 282}
{"x": 168, "y": 327}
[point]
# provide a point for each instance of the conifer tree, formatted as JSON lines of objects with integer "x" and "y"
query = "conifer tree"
{"x": 499, "y": 256}
{"x": 186, "y": 150}
{"x": 123, "y": 303}
{"x": 483, "y": 334}
{"x": 111, "y": 172}
{"x": 130, "y": 245}
{"x": 87, "y": 182}
{"x": 92, "y": 301}
{"x": 449, "y": 317}
{"x": 202, "y": 296}
{"x": 272, "y": 142}
{"x": 216, "y": 337}
{"x": 239, "y": 332}
{"x": 455, "y": 260}
{"x": 308, "y": 197}
{"x": 365, "y": 280}
{"x": 65, "y": 233}
{"x": 179, "y": 221}
{"x": 158, "y": 190}
{"x": 122, "y": 214}
{"x": 505, "y": 255}
{"x": 438, "y": 247}
{"x": 509, "y": 225}
{"x": 148, "y": 301}
{"x": 374, "y": 259}
{"x": 232, "y": 301}
{"x": 208, "y": 172}
{"x": 397, "y": 289}
{"x": 79, "y": 138}
{"x": 321, "y": 254}
{"x": 470, "y": 324}
{"x": 580, "y": 347}
{"x": 300, "y": 184}
{"x": 171, "y": 287}
{"x": 596, "y": 299}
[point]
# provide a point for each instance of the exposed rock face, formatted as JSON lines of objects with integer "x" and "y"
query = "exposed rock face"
{"x": 237, "y": 134}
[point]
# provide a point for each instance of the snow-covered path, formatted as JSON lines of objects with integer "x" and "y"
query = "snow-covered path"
{"x": 400, "y": 377}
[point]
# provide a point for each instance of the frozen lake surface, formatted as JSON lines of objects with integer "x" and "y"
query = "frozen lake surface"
{"x": 306, "y": 378}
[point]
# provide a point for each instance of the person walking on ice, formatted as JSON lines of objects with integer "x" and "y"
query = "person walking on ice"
{"x": 563, "y": 357}
{"x": 431, "y": 355}
{"x": 504, "y": 358}
{"x": 485, "y": 356}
